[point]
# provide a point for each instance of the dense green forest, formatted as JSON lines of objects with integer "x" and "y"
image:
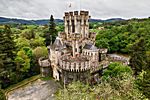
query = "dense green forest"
{"x": 120, "y": 36}
{"x": 22, "y": 45}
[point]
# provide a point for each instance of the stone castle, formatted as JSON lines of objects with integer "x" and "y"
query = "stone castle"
{"x": 73, "y": 56}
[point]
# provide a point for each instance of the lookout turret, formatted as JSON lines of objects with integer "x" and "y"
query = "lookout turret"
{"x": 77, "y": 22}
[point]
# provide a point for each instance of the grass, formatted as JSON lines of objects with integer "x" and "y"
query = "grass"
{"x": 46, "y": 78}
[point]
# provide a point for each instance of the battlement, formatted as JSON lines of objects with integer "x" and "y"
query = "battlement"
{"x": 44, "y": 62}
{"x": 76, "y": 13}
{"x": 84, "y": 13}
{"x": 77, "y": 64}
{"x": 77, "y": 22}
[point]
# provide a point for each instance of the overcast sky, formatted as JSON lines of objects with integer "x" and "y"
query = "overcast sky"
{"x": 101, "y": 9}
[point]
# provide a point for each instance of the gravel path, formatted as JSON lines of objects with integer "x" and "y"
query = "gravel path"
{"x": 38, "y": 90}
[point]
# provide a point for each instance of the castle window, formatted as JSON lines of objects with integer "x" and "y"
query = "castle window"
{"x": 68, "y": 25}
{"x": 73, "y": 26}
{"x": 74, "y": 65}
{"x": 76, "y": 50}
{"x": 85, "y": 22}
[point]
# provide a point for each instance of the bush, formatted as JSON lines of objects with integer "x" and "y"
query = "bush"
{"x": 116, "y": 70}
{"x": 2, "y": 95}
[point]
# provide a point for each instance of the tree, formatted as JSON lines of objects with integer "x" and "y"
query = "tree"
{"x": 8, "y": 48}
{"x": 113, "y": 89}
{"x": 143, "y": 79}
{"x": 23, "y": 59}
{"x": 138, "y": 60}
{"x": 146, "y": 84}
{"x": 7, "y": 55}
{"x": 28, "y": 34}
{"x": 50, "y": 36}
{"x": 40, "y": 52}
{"x": 116, "y": 70}
{"x": 1, "y": 49}
{"x": 2, "y": 95}
{"x": 22, "y": 42}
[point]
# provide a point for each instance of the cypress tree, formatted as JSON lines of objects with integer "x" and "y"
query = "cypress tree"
{"x": 52, "y": 29}
{"x": 51, "y": 34}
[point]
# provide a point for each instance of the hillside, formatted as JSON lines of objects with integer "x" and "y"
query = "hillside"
{"x": 4, "y": 20}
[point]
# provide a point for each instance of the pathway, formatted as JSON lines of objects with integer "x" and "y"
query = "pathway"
{"x": 38, "y": 90}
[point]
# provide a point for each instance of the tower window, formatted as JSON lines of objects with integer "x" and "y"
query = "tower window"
{"x": 73, "y": 26}
{"x": 85, "y": 22}
{"x": 68, "y": 26}
{"x": 76, "y": 50}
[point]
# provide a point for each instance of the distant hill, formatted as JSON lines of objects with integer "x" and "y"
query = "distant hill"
{"x": 4, "y": 20}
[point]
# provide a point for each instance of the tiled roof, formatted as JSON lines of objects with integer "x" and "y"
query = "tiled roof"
{"x": 57, "y": 44}
{"x": 90, "y": 47}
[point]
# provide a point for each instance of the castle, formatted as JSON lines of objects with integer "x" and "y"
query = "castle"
{"x": 73, "y": 56}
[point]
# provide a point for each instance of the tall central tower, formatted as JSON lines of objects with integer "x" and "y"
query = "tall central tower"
{"x": 77, "y": 23}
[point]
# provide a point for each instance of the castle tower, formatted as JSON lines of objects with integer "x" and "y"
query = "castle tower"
{"x": 84, "y": 23}
{"x": 76, "y": 22}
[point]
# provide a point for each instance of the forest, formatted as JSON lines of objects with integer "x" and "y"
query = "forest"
{"x": 22, "y": 45}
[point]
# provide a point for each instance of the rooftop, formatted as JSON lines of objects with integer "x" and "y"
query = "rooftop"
{"x": 76, "y": 59}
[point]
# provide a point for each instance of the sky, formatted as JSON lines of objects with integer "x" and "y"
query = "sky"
{"x": 99, "y": 9}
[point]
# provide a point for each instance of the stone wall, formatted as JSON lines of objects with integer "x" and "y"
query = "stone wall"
{"x": 68, "y": 77}
{"x": 74, "y": 66}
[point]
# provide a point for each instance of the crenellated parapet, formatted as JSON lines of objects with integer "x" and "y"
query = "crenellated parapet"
{"x": 44, "y": 62}
{"x": 78, "y": 64}
{"x": 77, "y": 22}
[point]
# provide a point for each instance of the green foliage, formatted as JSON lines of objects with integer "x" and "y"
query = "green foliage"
{"x": 138, "y": 59}
{"x": 120, "y": 36}
{"x": 40, "y": 52}
{"x": 46, "y": 78}
{"x": 17, "y": 61}
{"x": 113, "y": 89}
{"x": 2, "y": 95}
{"x": 60, "y": 27}
{"x": 7, "y": 55}
{"x": 50, "y": 35}
{"x": 143, "y": 82}
{"x": 102, "y": 43}
{"x": 37, "y": 42}
{"x": 22, "y": 42}
{"x": 116, "y": 70}
{"x": 28, "y": 34}
{"x": 23, "y": 59}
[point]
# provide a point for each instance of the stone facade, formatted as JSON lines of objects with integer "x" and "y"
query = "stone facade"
{"x": 74, "y": 56}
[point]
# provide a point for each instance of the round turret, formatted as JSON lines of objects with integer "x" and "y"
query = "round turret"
{"x": 77, "y": 64}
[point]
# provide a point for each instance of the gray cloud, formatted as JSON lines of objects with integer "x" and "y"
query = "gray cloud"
{"x": 39, "y": 9}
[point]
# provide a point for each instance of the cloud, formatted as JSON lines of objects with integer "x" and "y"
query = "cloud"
{"x": 40, "y": 9}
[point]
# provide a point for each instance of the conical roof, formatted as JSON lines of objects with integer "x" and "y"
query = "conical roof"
{"x": 57, "y": 44}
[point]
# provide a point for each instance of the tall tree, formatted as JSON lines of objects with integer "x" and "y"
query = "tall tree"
{"x": 143, "y": 79}
{"x": 9, "y": 48}
{"x": 51, "y": 34}
{"x": 7, "y": 55}
{"x": 138, "y": 59}
{"x": 1, "y": 49}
